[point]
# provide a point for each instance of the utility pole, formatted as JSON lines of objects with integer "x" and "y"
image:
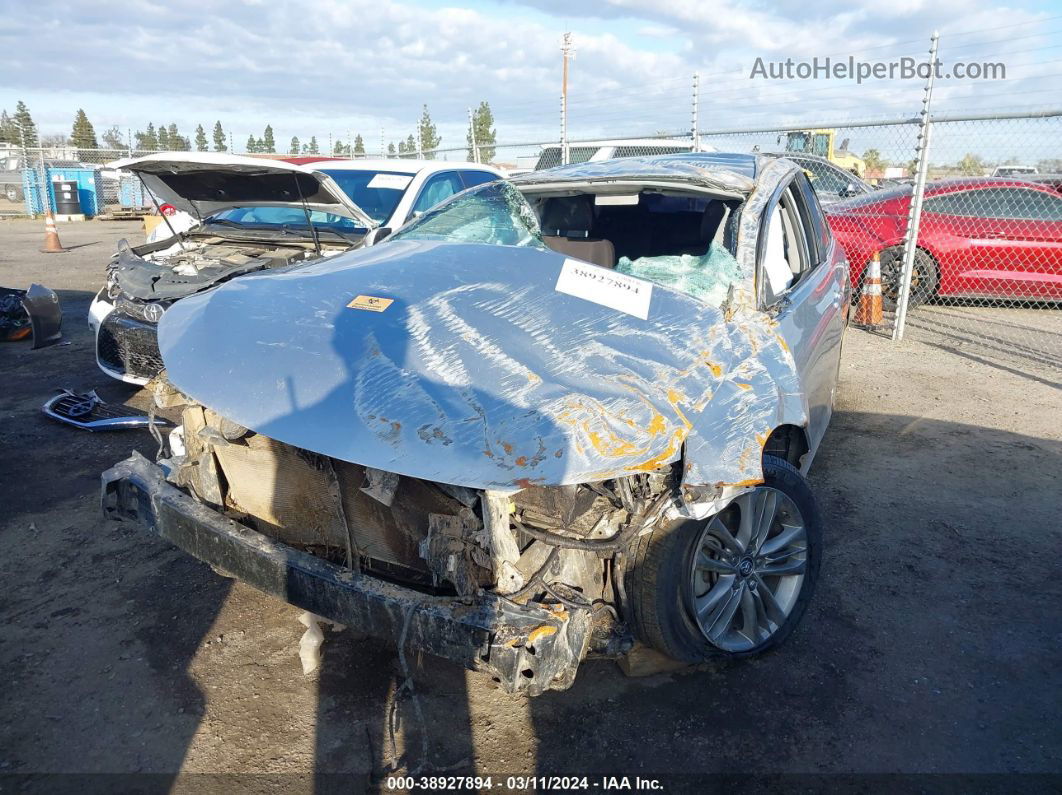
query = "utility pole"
{"x": 472, "y": 137}
{"x": 383, "y": 152}
{"x": 695, "y": 131}
{"x": 567, "y": 50}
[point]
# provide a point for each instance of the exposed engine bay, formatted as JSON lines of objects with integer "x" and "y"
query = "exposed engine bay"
{"x": 182, "y": 265}
{"x": 560, "y": 547}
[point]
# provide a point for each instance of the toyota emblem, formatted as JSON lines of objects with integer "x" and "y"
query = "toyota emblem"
{"x": 153, "y": 313}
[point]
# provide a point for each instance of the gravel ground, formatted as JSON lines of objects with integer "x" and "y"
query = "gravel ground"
{"x": 932, "y": 645}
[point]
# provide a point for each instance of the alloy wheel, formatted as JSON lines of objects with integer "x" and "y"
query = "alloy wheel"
{"x": 748, "y": 568}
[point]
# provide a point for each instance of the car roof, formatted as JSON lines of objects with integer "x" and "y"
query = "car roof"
{"x": 802, "y": 156}
{"x": 661, "y": 142}
{"x": 951, "y": 184}
{"x": 302, "y": 160}
{"x": 404, "y": 166}
{"x": 734, "y": 171}
{"x": 938, "y": 187}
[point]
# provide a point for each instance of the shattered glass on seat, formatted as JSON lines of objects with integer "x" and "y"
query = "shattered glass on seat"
{"x": 707, "y": 277}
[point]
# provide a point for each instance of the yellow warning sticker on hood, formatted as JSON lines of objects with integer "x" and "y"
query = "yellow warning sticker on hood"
{"x": 371, "y": 302}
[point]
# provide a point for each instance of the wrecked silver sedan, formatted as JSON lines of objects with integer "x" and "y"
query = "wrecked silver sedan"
{"x": 550, "y": 419}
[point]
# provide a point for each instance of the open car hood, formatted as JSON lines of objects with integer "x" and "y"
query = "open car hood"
{"x": 464, "y": 364}
{"x": 204, "y": 183}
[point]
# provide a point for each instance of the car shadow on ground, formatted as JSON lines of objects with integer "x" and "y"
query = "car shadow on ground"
{"x": 936, "y": 611}
{"x": 889, "y": 592}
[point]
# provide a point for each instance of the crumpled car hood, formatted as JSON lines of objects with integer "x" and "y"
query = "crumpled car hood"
{"x": 479, "y": 372}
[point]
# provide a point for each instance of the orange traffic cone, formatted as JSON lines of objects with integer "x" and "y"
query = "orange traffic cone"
{"x": 869, "y": 312}
{"x": 51, "y": 236}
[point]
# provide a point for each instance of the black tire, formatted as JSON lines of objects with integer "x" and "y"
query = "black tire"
{"x": 659, "y": 582}
{"x": 924, "y": 278}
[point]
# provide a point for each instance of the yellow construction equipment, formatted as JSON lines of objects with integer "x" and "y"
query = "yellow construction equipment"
{"x": 820, "y": 142}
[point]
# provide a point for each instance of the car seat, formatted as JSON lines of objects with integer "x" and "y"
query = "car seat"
{"x": 566, "y": 224}
{"x": 710, "y": 230}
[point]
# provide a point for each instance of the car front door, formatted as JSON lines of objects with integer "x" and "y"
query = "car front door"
{"x": 803, "y": 281}
{"x": 436, "y": 188}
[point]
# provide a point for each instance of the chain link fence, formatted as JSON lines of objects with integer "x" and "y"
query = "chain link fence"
{"x": 850, "y": 165}
{"x": 989, "y": 259}
{"x": 986, "y": 268}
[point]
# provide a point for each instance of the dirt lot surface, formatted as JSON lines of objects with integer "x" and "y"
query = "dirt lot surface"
{"x": 932, "y": 644}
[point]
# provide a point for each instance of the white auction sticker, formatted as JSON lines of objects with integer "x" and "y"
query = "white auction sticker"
{"x": 606, "y": 287}
{"x": 391, "y": 181}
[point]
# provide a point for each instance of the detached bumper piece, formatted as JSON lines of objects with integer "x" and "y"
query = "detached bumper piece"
{"x": 88, "y": 411}
{"x": 526, "y": 648}
{"x": 33, "y": 313}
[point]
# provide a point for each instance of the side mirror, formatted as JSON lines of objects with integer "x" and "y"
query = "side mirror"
{"x": 851, "y": 189}
{"x": 376, "y": 235}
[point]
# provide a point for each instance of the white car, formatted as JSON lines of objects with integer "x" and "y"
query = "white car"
{"x": 1014, "y": 171}
{"x": 593, "y": 151}
{"x": 250, "y": 214}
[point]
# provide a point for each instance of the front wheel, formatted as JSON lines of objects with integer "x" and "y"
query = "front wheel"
{"x": 736, "y": 584}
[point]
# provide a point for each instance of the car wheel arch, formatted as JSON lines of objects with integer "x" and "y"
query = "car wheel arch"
{"x": 789, "y": 443}
{"x": 934, "y": 260}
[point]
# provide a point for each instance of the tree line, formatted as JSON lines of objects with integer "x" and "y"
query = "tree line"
{"x": 19, "y": 129}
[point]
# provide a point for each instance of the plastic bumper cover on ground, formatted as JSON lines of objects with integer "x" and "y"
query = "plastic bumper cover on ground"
{"x": 526, "y": 648}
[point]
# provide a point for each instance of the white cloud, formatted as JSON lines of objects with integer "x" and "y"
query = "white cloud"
{"x": 360, "y": 65}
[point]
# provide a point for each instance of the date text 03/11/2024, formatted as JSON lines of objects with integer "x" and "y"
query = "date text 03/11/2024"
{"x": 523, "y": 783}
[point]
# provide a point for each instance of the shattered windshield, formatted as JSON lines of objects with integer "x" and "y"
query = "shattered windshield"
{"x": 494, "y": 213}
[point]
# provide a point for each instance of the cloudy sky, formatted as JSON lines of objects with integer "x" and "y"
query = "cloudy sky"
{"x": 358, "y": 66}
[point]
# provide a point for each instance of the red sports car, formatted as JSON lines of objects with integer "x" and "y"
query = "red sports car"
{"x": 979, "y": 237}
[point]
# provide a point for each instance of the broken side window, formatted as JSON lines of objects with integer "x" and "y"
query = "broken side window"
{"x": 495, "y": 214}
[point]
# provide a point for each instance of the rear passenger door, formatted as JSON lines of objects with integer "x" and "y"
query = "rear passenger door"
{"x": 799, "y": 281}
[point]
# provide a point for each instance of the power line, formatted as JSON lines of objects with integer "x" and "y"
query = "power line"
{"x": 1040, "y": 21}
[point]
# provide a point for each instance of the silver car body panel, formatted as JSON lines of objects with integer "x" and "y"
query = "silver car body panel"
{"x": 464, "y": 363}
